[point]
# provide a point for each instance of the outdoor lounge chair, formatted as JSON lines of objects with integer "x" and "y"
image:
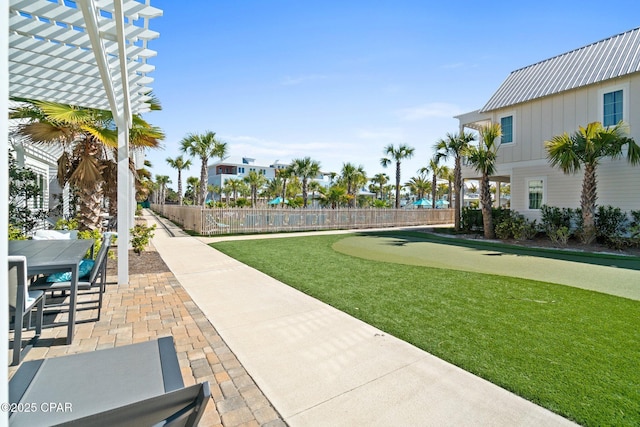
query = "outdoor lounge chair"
{"x": 183, "y": 407}
{"x": 21, "y": 303}
{"x": 133, "y": 385}
{"x": 94, "y": 284}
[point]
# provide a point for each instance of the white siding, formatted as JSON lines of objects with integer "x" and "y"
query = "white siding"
{"x": 617, "y": 186}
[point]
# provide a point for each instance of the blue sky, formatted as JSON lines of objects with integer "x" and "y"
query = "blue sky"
{"x": 340, "y": 80}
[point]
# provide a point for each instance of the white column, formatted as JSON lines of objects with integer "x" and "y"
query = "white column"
{"x": 4, "y": 209}
{"x": 124, "y": 204}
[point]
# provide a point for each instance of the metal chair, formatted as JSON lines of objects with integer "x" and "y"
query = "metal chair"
{"x": 94, "y": 284}
{"x": 21, "y": 303}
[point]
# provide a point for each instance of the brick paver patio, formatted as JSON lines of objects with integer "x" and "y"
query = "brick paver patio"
{"x": 156, "y": 305}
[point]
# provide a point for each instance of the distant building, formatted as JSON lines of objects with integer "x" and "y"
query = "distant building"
{"x": 221, "y": 171}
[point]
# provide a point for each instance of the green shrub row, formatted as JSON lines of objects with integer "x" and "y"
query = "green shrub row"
{"x": 614, "y": 228}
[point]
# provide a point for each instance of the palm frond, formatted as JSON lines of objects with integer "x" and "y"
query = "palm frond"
{"x": 44, "y": 132}
{"x": 87, "y": 173}
{"x": 108, "y": 137}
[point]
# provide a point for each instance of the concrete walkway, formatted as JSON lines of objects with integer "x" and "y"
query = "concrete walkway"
{"x": 321, "y": 367}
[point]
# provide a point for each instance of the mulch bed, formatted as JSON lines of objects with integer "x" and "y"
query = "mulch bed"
{"x": 148, "y": 262}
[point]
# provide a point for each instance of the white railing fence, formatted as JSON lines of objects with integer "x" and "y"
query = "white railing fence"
{"x": 214, "y": 221}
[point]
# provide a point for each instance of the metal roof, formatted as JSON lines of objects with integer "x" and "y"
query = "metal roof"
{"x": 63, "y": 51}
{"x": 607, "y": 59}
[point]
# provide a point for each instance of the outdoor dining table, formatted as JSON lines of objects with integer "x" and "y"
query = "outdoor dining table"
{"x": 51, "y": 256}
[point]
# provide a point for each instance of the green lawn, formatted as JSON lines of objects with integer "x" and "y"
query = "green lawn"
{"x": 573, "y": 351}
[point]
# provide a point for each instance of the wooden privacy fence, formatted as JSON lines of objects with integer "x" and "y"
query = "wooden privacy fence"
{"x": 248, "y": 220}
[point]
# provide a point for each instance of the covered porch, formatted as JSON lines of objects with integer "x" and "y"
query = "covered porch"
{"x": 473, "y": 122}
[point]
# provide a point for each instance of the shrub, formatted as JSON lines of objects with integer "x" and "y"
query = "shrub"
{"x": 138, "y": 209}
{"x": 15, "y": 233}
{"x": 557, "y": 223}
{"x": 242, "y": 202}
{"x": 503, "y": 230}
{"x": 610, "y": 222}
{"x": 66, "y": 224}
{"x": 91, "y": 234}
{"x": 512, "y": 224}
{"x": 140, "y": 236}
{"x": 471, "y": 219}
{"x": 560, "y": 235}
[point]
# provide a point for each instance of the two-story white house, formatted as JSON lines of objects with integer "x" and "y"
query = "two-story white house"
{"x": 598, "y": 82}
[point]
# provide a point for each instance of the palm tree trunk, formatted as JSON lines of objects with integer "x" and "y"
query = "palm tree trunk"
{"x": 458, "y": 191}
{"x": 284, "y": 191}
{"x": 203, "y": 181}
{"x": 434, "y": 183}
{"x": 397, "y": 185}
{"x": 304, "y": 193}
{"x": 180, "y": 187}
{"x": 588, "y": 203}
{"x": 89, "y": 206}
{"x": 485, "y": 199}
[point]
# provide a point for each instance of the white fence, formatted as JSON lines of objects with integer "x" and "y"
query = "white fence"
{"x": 248, "y": 220}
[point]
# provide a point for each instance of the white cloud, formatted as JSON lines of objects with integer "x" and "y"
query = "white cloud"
{"x": 431, "y": 110}
{"x": 454, "y": 65}
{"x": 390, "y": 134}
{"x": 292, "y": 81}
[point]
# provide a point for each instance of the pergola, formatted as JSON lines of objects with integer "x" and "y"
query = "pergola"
{"x": 88, "y": 53}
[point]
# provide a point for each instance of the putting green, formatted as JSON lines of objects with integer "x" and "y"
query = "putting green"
{"x": 402, "y": 250}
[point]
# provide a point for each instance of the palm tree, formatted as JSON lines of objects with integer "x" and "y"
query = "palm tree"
{"x": 294, "y": 187}
{"x": 305, "y": 168}
{"x": 353, "y": 178}
{"x": 334, "y": 196}
{"x": 285, "y": 175}
{"x": 204, "y": 146}
{"x": 447, "y": 173}
{"x": 398, "y": 154}
{"x": 193, "y": 186}
{"x": 255, "y": 180}
{"x": 314, "y": 187}
{"x": 89, "y": 139}
{"x": 381, "y": 179}
{"x": 142, "y": 185}
{"x": 419, "y": 186}
{"x": 180, "y": 164}
{"x": 436, "y": 171}
{"x": 483, "y": 159}
{"x": 455, "y": 145}
{"x": 274, "y": 187}
{"x": 584, "y": 149}
{"x": 162, "y": 181}
{"x": 233, "y": 186}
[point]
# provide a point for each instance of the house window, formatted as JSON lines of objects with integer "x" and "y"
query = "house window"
{"x": 535, "y": 190}
{"x": 506, "y": 125}
{"x": 241, "y": 170}
{"x": 612, "y": 113}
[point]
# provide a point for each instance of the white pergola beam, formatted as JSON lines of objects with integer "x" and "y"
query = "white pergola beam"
{"x": 4, "y": 211}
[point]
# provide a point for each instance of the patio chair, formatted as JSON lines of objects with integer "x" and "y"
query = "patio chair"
{"x": 178, "y": 408}
{"x": 21, "y": 303}
{"x": 94, "y": 284}
{"x": 133, "y": 385}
